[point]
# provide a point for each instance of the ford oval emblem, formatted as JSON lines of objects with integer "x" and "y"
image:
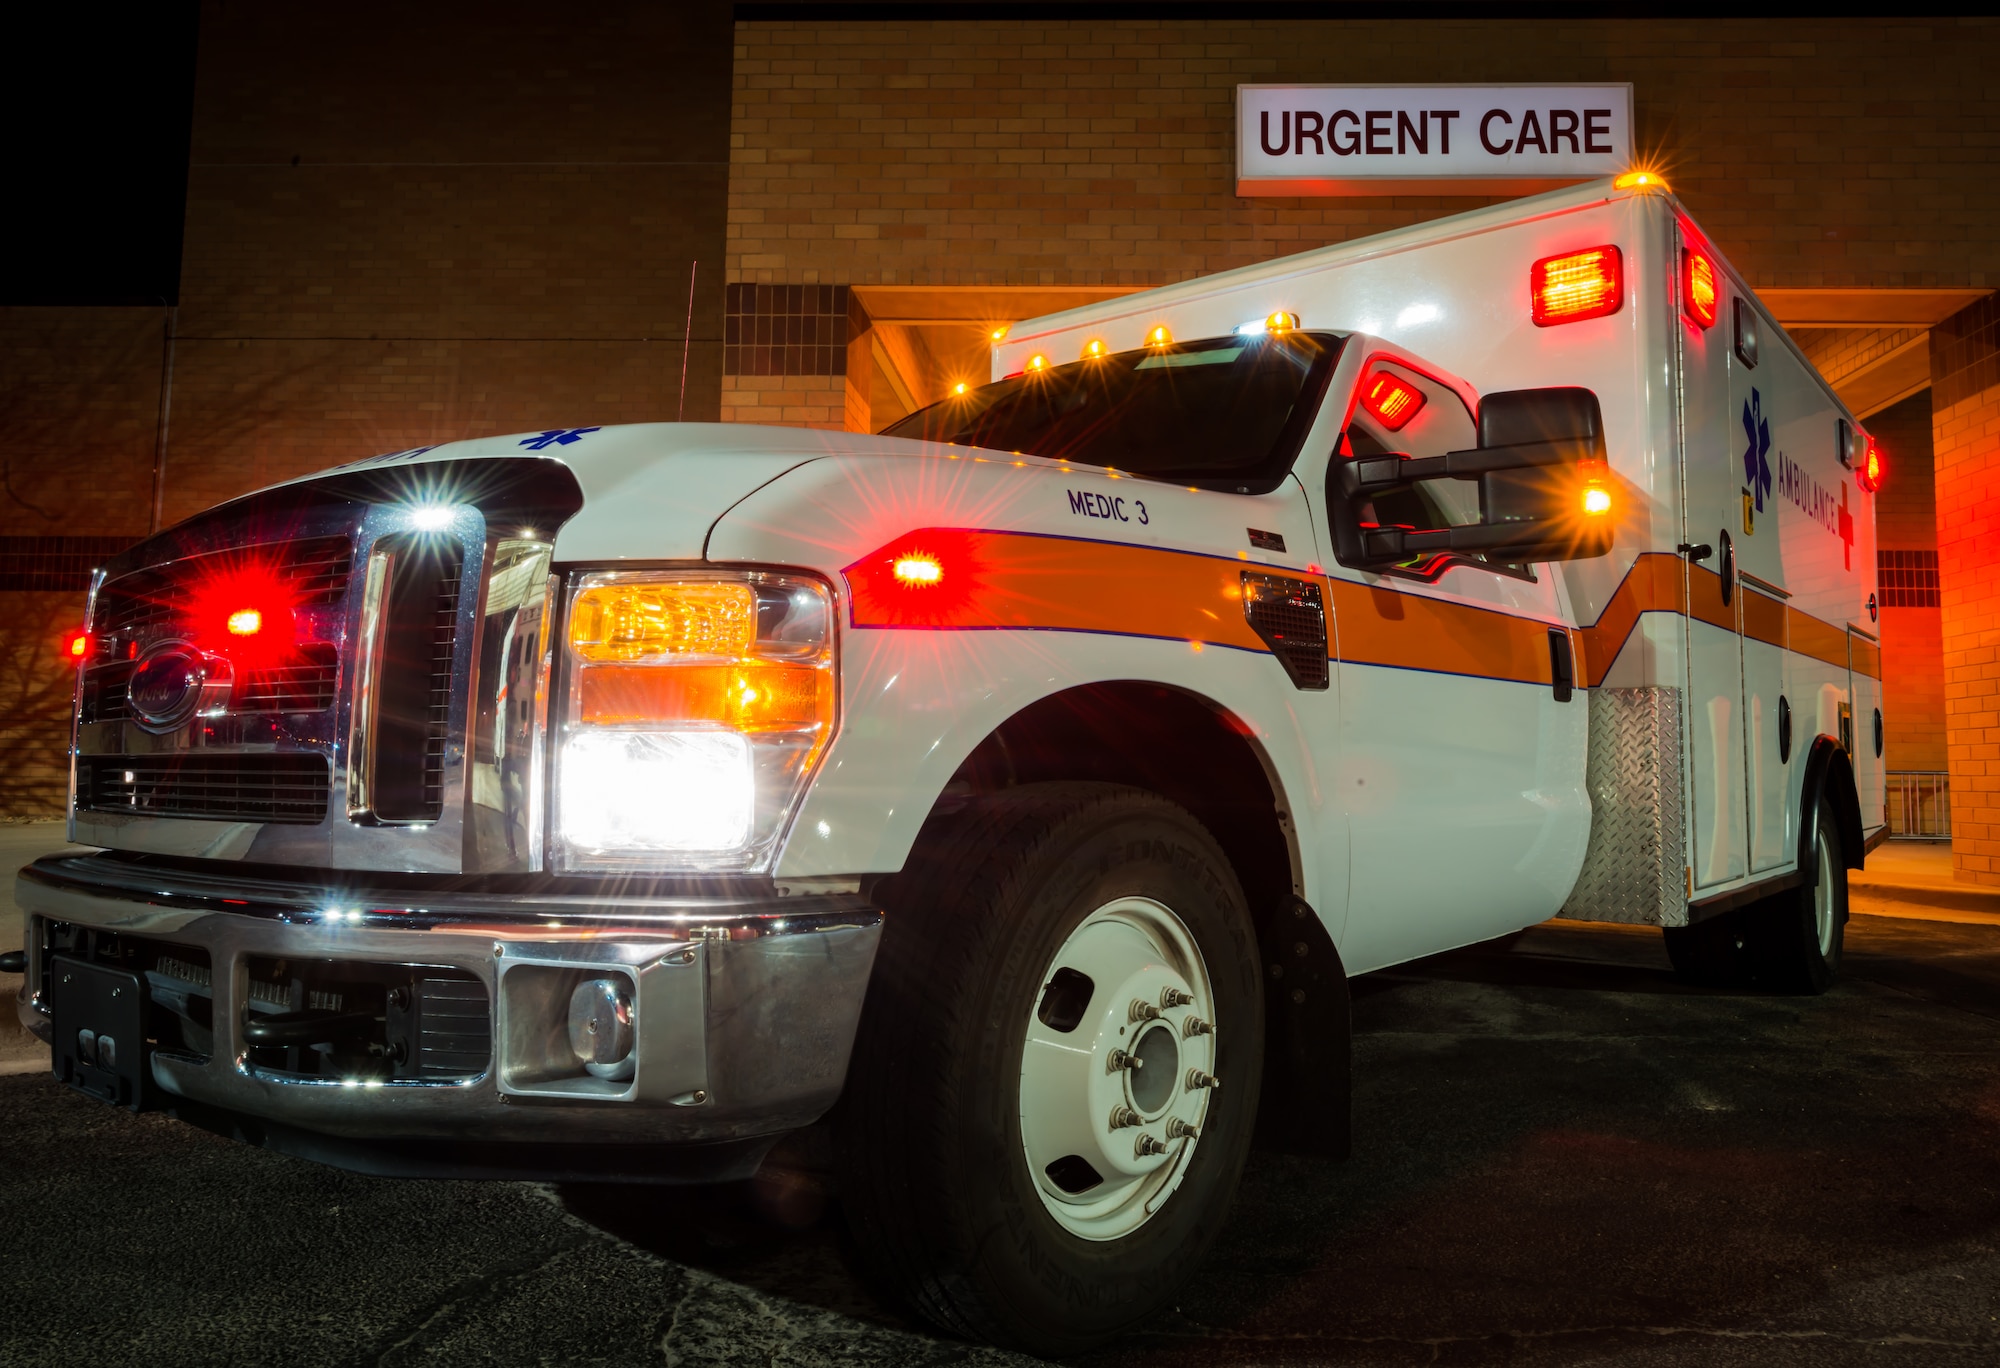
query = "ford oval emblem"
{"x": 167, "y": 685}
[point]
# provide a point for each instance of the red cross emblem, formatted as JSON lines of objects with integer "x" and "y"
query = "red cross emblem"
{"x": 1846, "y": 531}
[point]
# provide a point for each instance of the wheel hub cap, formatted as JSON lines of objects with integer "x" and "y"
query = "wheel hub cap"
{"x": 1117, "y": 1068}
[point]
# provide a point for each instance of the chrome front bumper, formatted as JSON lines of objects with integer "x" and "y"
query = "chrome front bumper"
{"x": 744, "y": 1008}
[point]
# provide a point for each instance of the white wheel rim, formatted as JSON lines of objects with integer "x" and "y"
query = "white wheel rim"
{"x": 1823, "y": 910}
{"x": 1081, "y": 1101}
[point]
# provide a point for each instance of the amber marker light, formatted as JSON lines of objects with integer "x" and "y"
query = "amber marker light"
{"x": 1870, "y": 474}
{"x": 1596, "y": 500}
{"x": 918, "y": 570}
{"x": 1281, "y": 322}
{"x": 1698, "y": 294}
{"x": 1038, "y": 362}
{"x": 1093, "y": 349}
{"x": 637, "y": 621}
{"x": 1389, "y": 401}
{"x": 1000, "y": 331}
{"x": 1577, "y": 285}
{"x": 1640, "y": 180}
{"x": 960, "y": 388}
{"x": 1159, "y": 337}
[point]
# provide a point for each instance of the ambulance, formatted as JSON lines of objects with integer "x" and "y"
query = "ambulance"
{"x": 1011, "y": 794}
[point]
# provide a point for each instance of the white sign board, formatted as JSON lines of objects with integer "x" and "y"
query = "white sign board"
{"x": 1428, "y": 139}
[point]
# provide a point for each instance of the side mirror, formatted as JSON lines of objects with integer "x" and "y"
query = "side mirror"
{"x": 1545, "y": 491}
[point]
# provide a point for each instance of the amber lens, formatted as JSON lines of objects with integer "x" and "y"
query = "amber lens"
{"x": 637, "y": 621}
{"x": 751, "y": 697}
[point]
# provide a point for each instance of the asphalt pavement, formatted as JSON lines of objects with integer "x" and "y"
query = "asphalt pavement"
{"x": 1562, "y": 1156}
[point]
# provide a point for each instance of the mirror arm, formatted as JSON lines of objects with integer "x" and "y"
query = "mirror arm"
{"x": 1368, "y": 474}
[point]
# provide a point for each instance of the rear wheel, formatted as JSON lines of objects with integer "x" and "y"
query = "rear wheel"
{"x": 1056, "y": 1077}
{"x": 1790, "y": 942}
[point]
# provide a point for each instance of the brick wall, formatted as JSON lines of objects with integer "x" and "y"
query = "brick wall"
{"x": 1912, "y": 641}
{"x": 1839, "y": 352}
{"x": 1081, "y": 152}
{"x": 1968, "y": 494}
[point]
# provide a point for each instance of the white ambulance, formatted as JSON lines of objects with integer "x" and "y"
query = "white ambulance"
{"x": 1018, "y": 789}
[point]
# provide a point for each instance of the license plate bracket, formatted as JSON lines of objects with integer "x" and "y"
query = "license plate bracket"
{"x": 99, "y": 1020}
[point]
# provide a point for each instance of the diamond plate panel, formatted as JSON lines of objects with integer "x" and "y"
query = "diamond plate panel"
{"x": 1633, "y": 869}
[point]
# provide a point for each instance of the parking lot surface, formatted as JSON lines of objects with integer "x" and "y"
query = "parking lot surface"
{"x": 1562, "y": 1156}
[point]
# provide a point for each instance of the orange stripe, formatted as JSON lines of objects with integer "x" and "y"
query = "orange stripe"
{"x": 1867, "y": 657}
{"x": 1764, "y": 618}
{"x": 1381, "y": 626}
{"x": 1016, "y": 580}
{"x": 1820, "y": 640}
{"x": 1653, "y": 584}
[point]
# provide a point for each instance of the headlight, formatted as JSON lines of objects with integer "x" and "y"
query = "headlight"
{"x": 695, "y": 708}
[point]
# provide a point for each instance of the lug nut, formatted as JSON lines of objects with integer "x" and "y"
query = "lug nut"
{"x": 1147, "y": 1146}
{"x": 1143, "y": 1010}
{"x": 1196, "y": 1026}
{"x": 1122, "y": 1117}
{"x": 1174, "y": 997}
{"x": 1197, "y": 1079}
{"x": 1119, "y": 1059}
{"x": 1176, "y": 1128}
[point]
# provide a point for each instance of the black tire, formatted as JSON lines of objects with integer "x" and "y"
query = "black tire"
{"x": 1793, "y": 942}
{"x": 933, "y": 1178}
{"x": 1709, "y": 954}
{"x": 1774, "y": 944}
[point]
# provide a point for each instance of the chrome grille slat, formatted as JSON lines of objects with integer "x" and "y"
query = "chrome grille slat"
{"x": 254, "y": 787}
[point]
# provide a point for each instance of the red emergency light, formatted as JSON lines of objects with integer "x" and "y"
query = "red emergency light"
{"x": 1869, "y": 477}
{"x": 246, "y": 612}
{"x": 76, "y": 646}
{"x": 1577, "y": 285}
{"x": 1698, "y": 290}
{"x": 1389, "y": 401}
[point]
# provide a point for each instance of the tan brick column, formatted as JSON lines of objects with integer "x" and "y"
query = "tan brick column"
{"x": 1967, "y": 434}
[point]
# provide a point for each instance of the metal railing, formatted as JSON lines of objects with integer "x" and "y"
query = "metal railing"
{"x": 1919, "y": 803}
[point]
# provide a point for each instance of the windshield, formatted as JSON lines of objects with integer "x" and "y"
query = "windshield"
{"x": 1228, "y": 412}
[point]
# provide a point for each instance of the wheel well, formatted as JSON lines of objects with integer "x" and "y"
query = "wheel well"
{"x": 1830, "y": 775}
{"x": 1198, "y": 755}
{"x": 1158, "y": 738}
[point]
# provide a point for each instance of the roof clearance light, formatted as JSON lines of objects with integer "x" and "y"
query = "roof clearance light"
{"x": 1391, "y": 402}
{"x": 1000, "y": 331}
{"x": 1698, "y": 286}
{"x": 1577, "y": 285}
{"x": 1159, "y": 337}
{"x": 1038, "y": 362}
{"x": 1640, "y": 180}
{"x": 960, "y": 388}
{"x": 246, "y": 622}
{"x": 918, "y": 570}
{"x": 1596, "y": 500}
{"x": 1281, "y": 322}
{"x": 1870, "y": 474}
{"x": 1093, "y": 349}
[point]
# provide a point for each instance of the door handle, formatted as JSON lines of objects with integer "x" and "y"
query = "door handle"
{"x": 1562, "y": 665}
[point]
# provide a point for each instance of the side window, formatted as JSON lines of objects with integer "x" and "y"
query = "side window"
{"x": 1440, "y": 425}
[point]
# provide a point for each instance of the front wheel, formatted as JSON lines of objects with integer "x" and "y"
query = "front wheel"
{"x": 1055, "y": 1081}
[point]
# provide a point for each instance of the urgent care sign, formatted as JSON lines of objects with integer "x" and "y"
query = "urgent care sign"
{"x": 1428, "y": 139}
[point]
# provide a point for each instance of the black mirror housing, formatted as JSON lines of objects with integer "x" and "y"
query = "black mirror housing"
{"x": 1544, "y": 486}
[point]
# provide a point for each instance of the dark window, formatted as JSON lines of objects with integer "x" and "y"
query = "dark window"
{"x": 1228, "y": 412}
{"x": 1909, "y": 579}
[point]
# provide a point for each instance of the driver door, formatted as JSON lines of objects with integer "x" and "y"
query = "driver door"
{"x": 1459, "y": 765}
